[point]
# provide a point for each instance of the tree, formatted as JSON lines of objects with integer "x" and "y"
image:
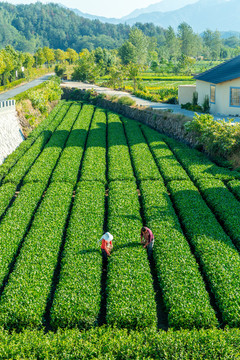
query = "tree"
{"x": 49, "y": 55}
{"x": 190, "y": 42}
{"x": 116, "y": 76}
{"x": 86, "y": 68}
{"x": 133, "y": 73}
{"x": 140, "y": 43}
{"x": 172, "y": 44}
{"x": 71, "y": 56}
{"x": 127, "y": 53}
{"x": 60, "y": 55}
{"x": 212, "y": 40}
{"x": 39, "y": 57}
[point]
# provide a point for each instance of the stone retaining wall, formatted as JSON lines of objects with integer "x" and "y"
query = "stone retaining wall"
{"x": 163, "y": 121}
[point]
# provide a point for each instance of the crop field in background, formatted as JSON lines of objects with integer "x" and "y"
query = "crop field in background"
{"x": 85, "y": 171}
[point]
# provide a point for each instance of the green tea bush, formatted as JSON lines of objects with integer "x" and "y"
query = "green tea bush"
{"x": 77, "y": 298}
{"x": 130, "y": 295}
{"x": 23, "y": 302}
{"x": 25, "y": 145}
{"x": 94, "y": 161}
{"x": 7, "y": 192}
{"x": 217, "y": 255}
{"x": 68, "y": 165}
{"x": 166, "y": 161}
{"x": 15, "y": 224}
{"x": 224, "y": 205}
{"x": 143, "y": 162}
{"x": 184, "y": 293}
{"x": 196, "y": 164}
{"x": 119, "y": 163}
{"x": 234, "y": 186}
{"x": 25, "y": 162}
{"x": 45, "y": 163}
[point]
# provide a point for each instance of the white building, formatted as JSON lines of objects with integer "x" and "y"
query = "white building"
{"x": 222, "y": 85}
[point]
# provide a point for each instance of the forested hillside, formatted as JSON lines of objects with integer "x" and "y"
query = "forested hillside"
{"x": 27, "y": 27}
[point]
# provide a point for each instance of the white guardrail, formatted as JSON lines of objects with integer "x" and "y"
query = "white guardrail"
{"x": 7, "y": 106}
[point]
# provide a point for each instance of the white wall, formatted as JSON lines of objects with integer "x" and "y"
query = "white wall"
{"x": 185, "y": 93}
{"x": 10, "y": 131}
{"x": 222, "y": 102}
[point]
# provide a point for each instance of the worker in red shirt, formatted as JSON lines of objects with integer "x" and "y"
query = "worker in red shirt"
{"x": 147, "y": 239}
{"x": 106, "y": 247}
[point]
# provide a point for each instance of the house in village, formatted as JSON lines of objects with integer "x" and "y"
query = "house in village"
{"x": 221, "y": 84}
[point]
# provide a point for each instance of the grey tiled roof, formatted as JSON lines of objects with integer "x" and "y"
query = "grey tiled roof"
{"x": 229, "y": 70}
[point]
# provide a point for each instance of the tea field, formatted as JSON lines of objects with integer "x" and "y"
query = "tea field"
{"x": 81, "y": 172}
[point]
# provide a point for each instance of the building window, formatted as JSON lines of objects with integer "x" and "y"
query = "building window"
{"x": 234, "y": 96}
{"x": 212, "y": 94}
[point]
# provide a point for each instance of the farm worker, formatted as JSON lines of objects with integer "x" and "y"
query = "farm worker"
{"x": 106, "y": 247}
{"x": 147, "y": 239}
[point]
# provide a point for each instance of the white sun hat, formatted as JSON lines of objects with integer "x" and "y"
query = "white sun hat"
{"x": 107, "y": 236}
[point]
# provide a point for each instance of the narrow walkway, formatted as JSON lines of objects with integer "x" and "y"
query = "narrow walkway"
{"x": 19, "y": 89}
{"x": 141, "y": 102}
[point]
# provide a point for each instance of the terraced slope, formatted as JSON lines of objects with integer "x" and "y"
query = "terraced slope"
{"x": 86, "y": 171}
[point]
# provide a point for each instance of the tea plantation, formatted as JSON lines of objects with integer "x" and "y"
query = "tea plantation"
{"x": 85, "y": 171}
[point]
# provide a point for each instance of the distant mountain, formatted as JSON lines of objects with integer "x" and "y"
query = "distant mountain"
{"x": 222, "y": 15}
{"x": 162, "y": 6}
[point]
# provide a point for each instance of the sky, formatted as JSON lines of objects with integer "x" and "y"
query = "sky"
{"x": 106, "y": 8}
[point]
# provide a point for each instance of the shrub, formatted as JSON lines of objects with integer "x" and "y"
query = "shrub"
{"x": 126, "y": 100}
{"x": 217, "y": 137}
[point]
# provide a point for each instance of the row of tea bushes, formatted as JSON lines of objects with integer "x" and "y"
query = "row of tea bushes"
{"x": 25, "y": 145}
{"x": 15, "y": 224}
{"x": 110, "y": 343}
{"x": 144, "y": 165}
{"x": 166, "y": 161}
{"x": 217, "y": 255}
{"x": 7, "y": 192}
{"x": 197, "y": 164}
{"x": 25, "y": 162}
{"x": 184, "y": 293}
{"x": 224, "y": 205}
{"x": 44, "y": 165}
{"x": 78, "y": 295}
{"x": 119, "y": 163}
{"x": 24, "y": 300}
{"x": 94, "y": 162}
{"x": 130, "y": 295}
{"x": 67, "y": 169}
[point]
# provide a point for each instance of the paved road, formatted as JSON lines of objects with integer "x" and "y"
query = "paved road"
{"x": 18, "y": 90}
{"x": 141, "y": 102}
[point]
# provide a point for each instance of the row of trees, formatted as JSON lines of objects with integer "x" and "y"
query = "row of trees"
{"x": 16, "y": 64}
